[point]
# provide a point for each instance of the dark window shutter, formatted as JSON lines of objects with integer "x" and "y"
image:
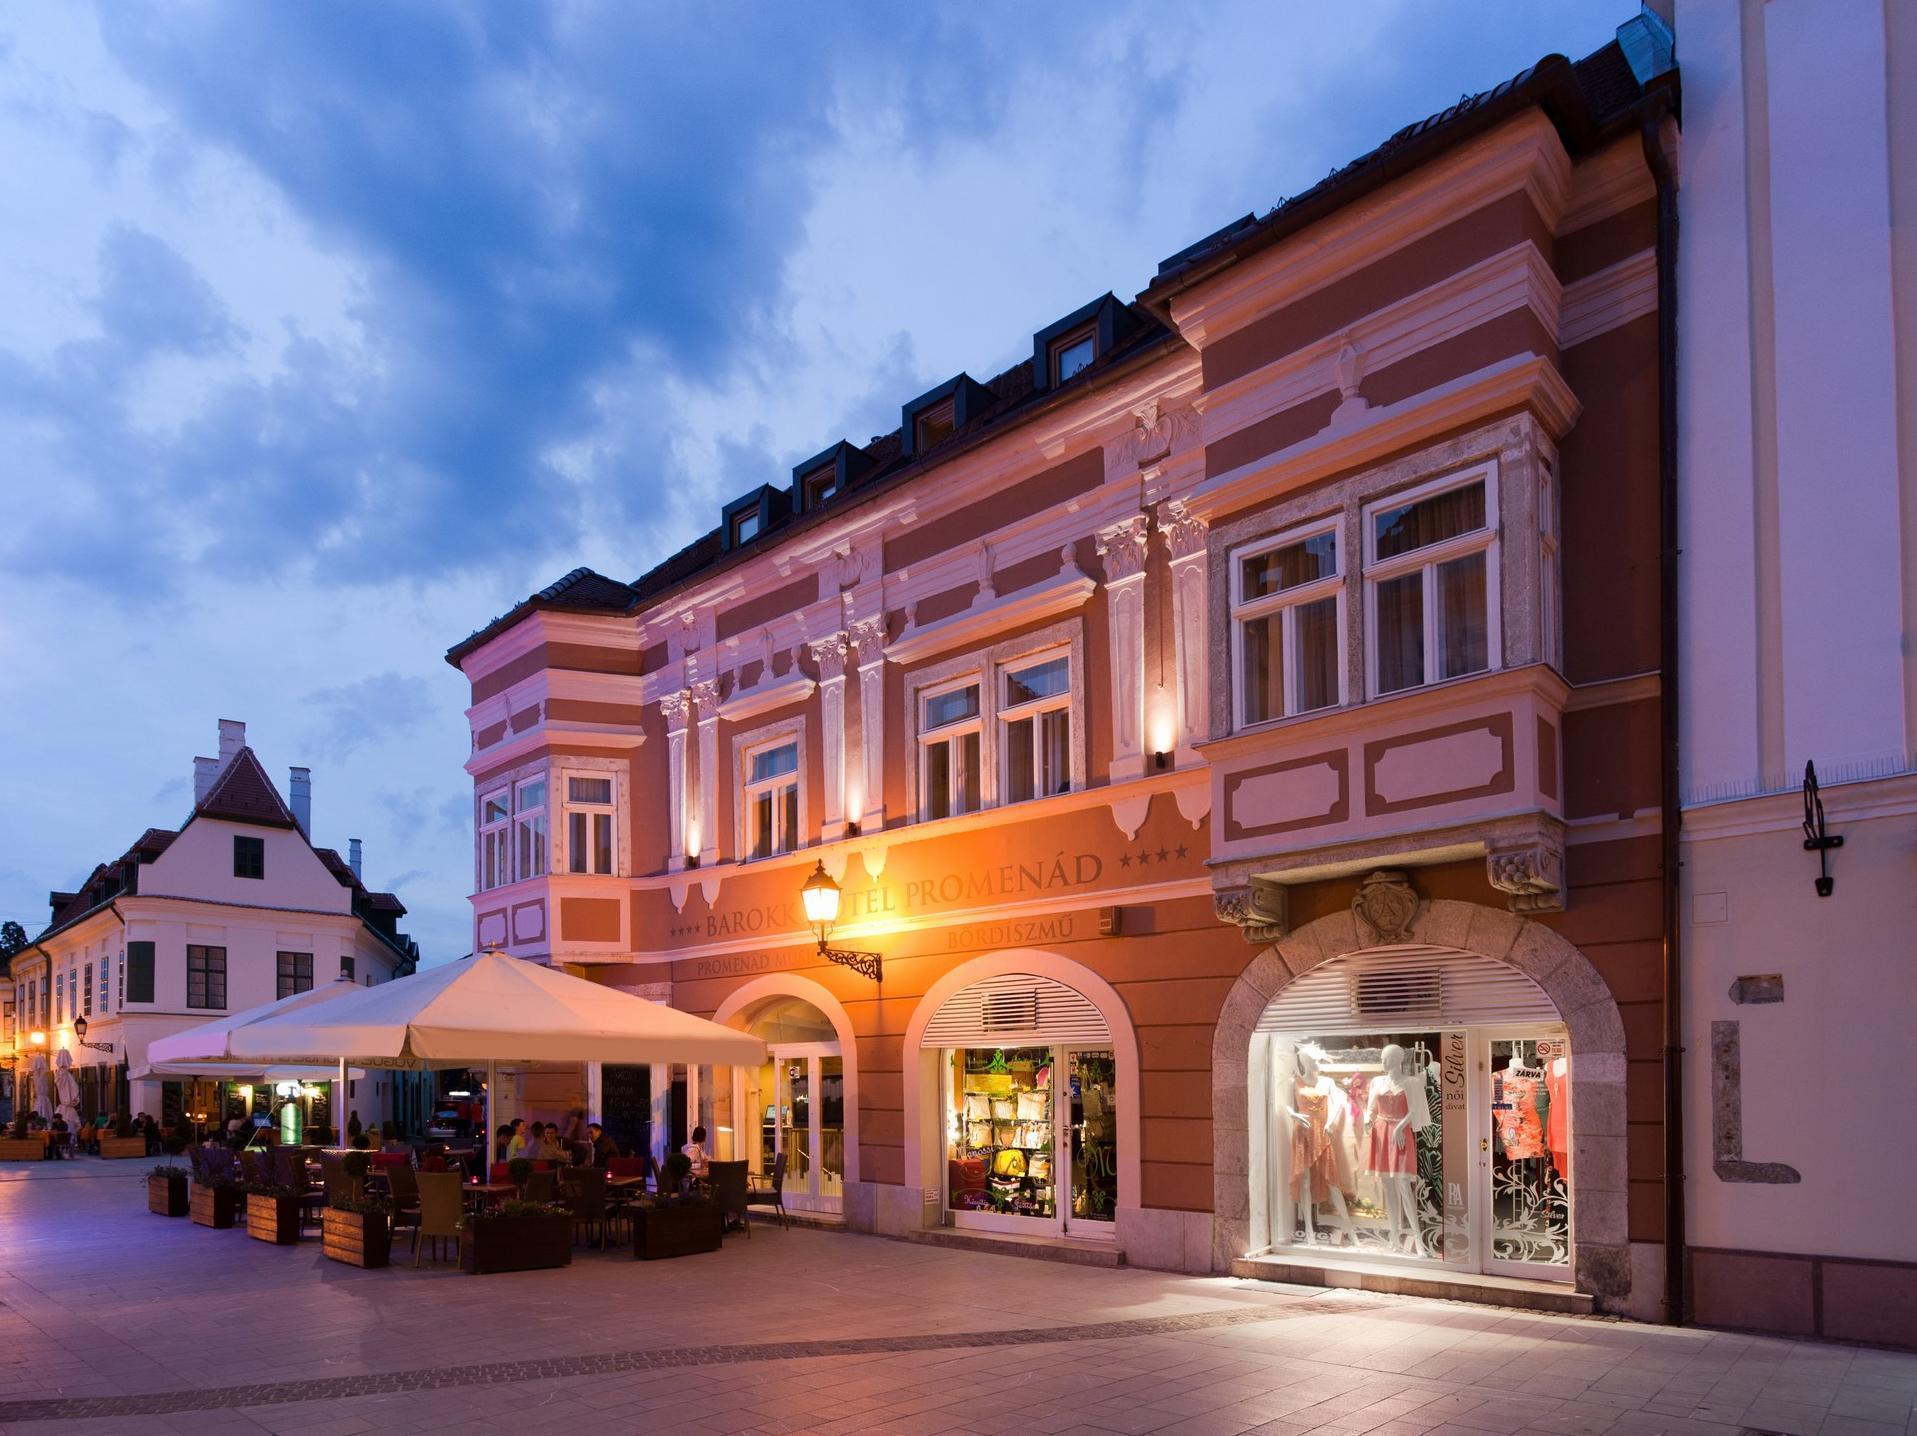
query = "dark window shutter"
{"x": 139, "y": 972}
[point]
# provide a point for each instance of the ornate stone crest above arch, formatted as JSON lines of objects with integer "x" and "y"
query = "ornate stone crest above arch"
{"x": 1601, "y": 1257}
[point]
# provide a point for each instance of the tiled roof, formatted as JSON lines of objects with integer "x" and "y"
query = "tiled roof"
{"x": 244, "y": 794}
{"x": 584, "y": 589}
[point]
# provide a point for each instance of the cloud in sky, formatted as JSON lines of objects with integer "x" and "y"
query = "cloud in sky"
{"x": 339, "y": 329}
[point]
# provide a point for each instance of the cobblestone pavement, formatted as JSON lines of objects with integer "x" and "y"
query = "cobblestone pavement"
{"x": 115, "y": 1320}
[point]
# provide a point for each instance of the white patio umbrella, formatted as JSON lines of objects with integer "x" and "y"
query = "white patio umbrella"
{"x": 42, "y": 1087}
{"x": 491, "y": 1008}
{"x": 67, "y": 1087}
{"x": 205, "y": 1050}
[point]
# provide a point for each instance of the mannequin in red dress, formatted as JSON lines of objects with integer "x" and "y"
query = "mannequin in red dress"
{"x": 1395, "y": 1108}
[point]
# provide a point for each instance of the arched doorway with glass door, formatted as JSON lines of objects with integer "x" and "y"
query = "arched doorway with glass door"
{"x": 787, "y": 1115}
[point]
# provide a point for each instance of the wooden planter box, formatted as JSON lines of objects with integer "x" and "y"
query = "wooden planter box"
{"x": 357, "y": 1238}
{"x": 495, "y": 1244}
{"x": 27, "y": 1149}
{"x": 115, "y": 1147}
{"x": 217, "y": 1207}
{"x": 166, "y": 1196}
{"x": 659, "y": 1232}
{"x": 273, "y": 1219}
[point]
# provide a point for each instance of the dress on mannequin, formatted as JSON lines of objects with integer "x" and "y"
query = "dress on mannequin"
{"x": 1519, "y": 1120}
{"x": 1392, "y": 1151}
{"x": 1311, "y": 1146}
{"x": 1557, "y": 1086}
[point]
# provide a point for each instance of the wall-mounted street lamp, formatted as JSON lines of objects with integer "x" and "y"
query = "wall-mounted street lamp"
{"x": 80, "y": 1036}
{"x": 821, "y": 897}
{"x": 37, "y": 1038}
{"x": 1817, "y": 838}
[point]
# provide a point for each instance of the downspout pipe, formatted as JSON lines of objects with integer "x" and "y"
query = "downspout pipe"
{"x": 1669, "y": 732}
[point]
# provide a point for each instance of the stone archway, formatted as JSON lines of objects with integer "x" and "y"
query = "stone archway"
{"x": 741, "y": 1001}
{"x": 1601, "y": 1247}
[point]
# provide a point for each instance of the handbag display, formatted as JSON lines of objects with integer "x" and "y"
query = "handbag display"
{"x": 1033, "y": 1107}
{"x": 1008, "y": 1162}
{"x": 1004, "y": 1135}
{"x": 1004, "y": 1109}
{"x": 1039, "y": 1167}
{"x": 977, "y": 1106}
{"x": 978, "y": 1134}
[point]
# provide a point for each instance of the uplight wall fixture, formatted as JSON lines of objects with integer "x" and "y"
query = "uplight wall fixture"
{"x": 37, "y": 1037}
{"x": 80, "y": 1036}
{"x": 821, "y": 896}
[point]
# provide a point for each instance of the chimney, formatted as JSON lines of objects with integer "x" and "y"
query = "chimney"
{"x": 352, "y": 857}
{"x": 232, "y": 739}
{"x": 205, "y": 770}
{"x": 299, "y": 792}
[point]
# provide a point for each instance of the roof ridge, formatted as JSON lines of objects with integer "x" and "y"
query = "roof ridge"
{"x": 243, "y": 793}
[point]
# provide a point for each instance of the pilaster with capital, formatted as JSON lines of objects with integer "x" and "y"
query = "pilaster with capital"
{"x": 869, "y": 635}
{"x": 1185, "y": 537}
{"x": 830, "y": 654}
{"x": 676, "y": 708}
{"x": 705, "y": 694}
{"x": 1122, "y": 549}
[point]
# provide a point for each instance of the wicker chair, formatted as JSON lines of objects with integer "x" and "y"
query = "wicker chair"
{"x": 729, "y": 1191}
{"x": 402, "y": 1182}
{"x": 542, "y": 1187}
{"x": 774, "y": 1199}
{"x": 442, "y": 1213}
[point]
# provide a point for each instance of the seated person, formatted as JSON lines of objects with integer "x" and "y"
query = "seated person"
{"x": 546, "y": 1144}
{"x": 695, "y": 1151}
{"x": 521, "y": 1139}
{"x": 604, "y": 1149}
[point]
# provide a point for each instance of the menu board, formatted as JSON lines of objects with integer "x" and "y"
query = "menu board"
{"x": 626, "y": 1094}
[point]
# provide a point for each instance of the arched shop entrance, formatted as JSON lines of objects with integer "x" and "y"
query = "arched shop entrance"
{"x": 1451, "y": 1102}
{"x": 788, "y": 1113}
{"x": 1022, "y": 1071}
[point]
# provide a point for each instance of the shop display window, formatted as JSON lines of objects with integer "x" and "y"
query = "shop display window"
{"x": 1530, "y": 1156}
{"x": 1094, "y": 1136}
{"x": 1002, "y": 1144}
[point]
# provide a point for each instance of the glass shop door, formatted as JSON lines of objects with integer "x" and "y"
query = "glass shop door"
{"x": 1521, "y": 1119}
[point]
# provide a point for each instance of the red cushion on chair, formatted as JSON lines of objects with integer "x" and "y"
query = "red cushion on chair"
{"x": 433, "y": 1163}
{"x": 500, "y": 1173}
{"x": 627, "y": 1166}
{"x": 392, "y": 1159}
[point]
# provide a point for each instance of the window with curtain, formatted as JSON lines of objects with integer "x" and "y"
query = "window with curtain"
{"x": 589, "y": 815}
{"x": 1035, "y": 721}
{"x": 949, "y": 733}
{"x": 1431, "y": 575}
{"x": 772, "y": 798}
{"x": 295, "y": 973}
{"x": 1287, "y": 618}
{"x": 206, "y": 977}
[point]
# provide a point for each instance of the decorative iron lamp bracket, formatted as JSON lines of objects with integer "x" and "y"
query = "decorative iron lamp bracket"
{"x": 1817, "y": 838}
{"x": 821, "y": 897}
{"x": 80, "y": 1037}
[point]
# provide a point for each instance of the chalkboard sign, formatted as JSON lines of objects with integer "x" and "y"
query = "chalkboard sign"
{"x": 627, "y": 1095}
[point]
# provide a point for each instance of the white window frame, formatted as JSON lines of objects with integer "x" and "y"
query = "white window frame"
{"x": 494, "y": 835}
{"x": 770, "y": 735}
{"x": 527, "y": 816}
{"x": 591, "y": 812}
{"x": 1428, "y": 559}
{"x": 784, "y": 789}
{"x": 930, "y": 738}
{"x": 1287, "y": 601}
{"x": 1009, "y": 714}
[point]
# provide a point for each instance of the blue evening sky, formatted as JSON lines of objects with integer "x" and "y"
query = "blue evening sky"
{"x": 328, "y": 331}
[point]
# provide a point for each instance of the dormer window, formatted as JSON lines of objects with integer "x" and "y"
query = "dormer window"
{"x": 819, "y": 486}
{"x": 745, "y": 527}
{"x": 1073, "y": 353}
{"x": 933, "y": 427}
{"x": 745, "y": 519}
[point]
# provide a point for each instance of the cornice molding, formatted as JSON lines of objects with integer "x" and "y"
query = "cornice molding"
{"x": 1055, "y": 596}
{"x": 562, "y": 732}
{"x": 763, "y": 697}
{"x": 1613, "y": 296}
{"x": 1526, "y": 381}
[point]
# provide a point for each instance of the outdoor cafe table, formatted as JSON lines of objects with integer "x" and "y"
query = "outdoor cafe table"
{"x": 488, "y": 1191}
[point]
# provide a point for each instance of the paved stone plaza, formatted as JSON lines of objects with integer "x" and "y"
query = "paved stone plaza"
{"x": 115, "y": 1320}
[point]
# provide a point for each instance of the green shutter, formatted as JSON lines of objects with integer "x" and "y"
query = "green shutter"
{"x": 139, "y": 972}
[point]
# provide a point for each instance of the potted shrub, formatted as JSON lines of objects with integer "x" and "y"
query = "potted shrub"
{"x": 678, "y": 1220}
{"x": 518, "y": 1236}
{"x": 22, "y": 1145}
{"x": 272, "y": 1213}
{"x": 517, "y": 1172}
{"x": 125, "y": 1142}
{"x": 166, "y": 1190}
{"x": 214, "y": 1203}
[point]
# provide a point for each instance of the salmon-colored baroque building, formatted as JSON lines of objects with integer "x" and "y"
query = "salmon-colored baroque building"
{"x": 1237, "y": 732}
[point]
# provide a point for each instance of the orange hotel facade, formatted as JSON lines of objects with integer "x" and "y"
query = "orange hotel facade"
{"x": 1236, "y": 730}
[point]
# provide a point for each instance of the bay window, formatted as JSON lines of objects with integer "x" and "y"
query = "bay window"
{"x": 1035, "y": 718}
{"x": 495, "y": 840}
{"x": 589, "y": 823}
{"x": 1287, "y": 617}
{"x": 949, "y": 733}
{"x": 772, "y": 798}
{"x": 529, "y": 825}
{"x": 1431, "y": 583}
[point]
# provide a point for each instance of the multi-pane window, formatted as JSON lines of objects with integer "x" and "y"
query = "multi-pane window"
{"x": 1287, "y": 615}
{"x": 495, "y": 839}
{"x": 949, "y": 735}
{"x": 249, "y": 857}
{"x": 589, "y": 815}
{"x": 1431, "y": 578}
{"x": 1035, "y": 719}
{"x": 529, "y": 824}
{"x": 73, "y": 991}
{"x": 86, "y": 993}
{"x": 1072, "y": 354}
{"x": 59, "y": 1003}
{"x": 772, "y": 799}
{"x": 296, "y": 973}
{"x": 206, "y": 977}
